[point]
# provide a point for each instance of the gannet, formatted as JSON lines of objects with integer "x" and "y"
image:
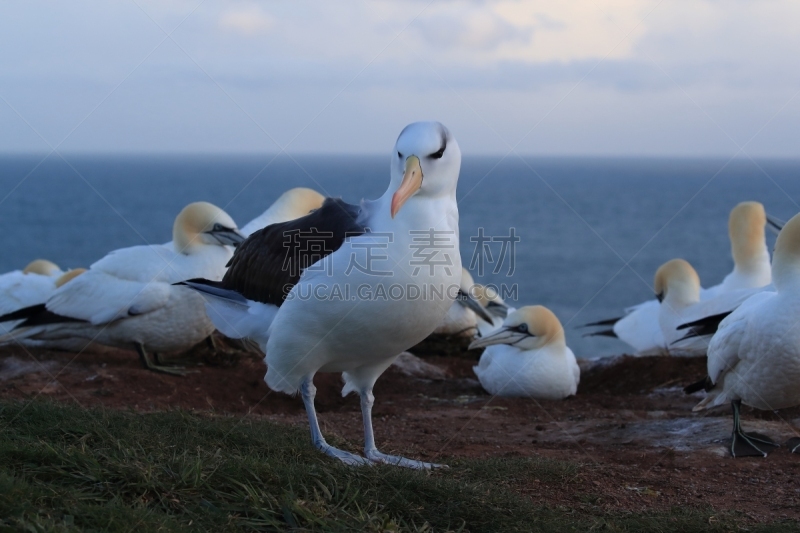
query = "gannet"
{"x": 21, "y": 288}
{"x": 528, "y": 356}
{"x": 70, "y": 344}
{"x": 639, "y": 326}
{"x": 754, "y": 358}
{"x": 331, "y": 311}
{"x": 292, "y": 204}
{"x": 677, "y": 287}
{"x": 467, "y": 311}
{"x": 127, "y": 299}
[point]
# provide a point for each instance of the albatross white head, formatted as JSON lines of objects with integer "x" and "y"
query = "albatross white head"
{"x": 528, "y": 328}
{"x": 677, "y": 283}
{"x": 786, "y": 257}
{"x": 43, "y": 267}
{"x": 201, "y": 224}
{"x": 425, "y": 163}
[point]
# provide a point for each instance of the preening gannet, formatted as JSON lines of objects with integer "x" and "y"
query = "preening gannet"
{"x": 292, "y": 204}
{"x": 356, "y": 302}
{"x": 677, "y": 287}
{"x": 754, "y": 358}
{"x": 127, "y": 299}
{"x": 21, "y": 288}
{"x": 528, "y": 356}
{"x": 463, "y": 317}
{"x": 640, "y": 327}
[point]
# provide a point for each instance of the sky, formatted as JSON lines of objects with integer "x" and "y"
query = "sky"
{"x": 581, "y": 77}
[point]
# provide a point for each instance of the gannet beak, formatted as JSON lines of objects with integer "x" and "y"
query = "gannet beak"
{"x": 775, "y": 224}
{"x": 497, "y": 309}
{"x": 473, "y": 305}
{"x": 503, "y": 336}
{"x": 660, "y": 297}
{"x": 227, "y": 236}
{"x": 412, "y": 181}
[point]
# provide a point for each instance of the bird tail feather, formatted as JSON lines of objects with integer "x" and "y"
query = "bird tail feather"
{"x": 232, "y": 314}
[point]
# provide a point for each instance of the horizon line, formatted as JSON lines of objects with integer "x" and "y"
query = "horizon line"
{"x": 198, "y": 153}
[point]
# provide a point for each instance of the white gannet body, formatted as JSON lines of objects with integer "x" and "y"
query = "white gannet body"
{"x": 127, "y": 299}
{"x": 344, "y": 312}
{"x": 754, "y": 358}
{"x": 640, "y": 327}
{"x": 528, "y": 356}
{"x": 292, "y": 204}
{"x": 21, "y": 288}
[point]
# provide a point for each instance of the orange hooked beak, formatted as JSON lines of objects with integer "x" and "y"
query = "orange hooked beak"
{"x": 412, "y": 181}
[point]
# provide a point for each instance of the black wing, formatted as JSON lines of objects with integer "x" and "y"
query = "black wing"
{"x": 705, "y": 326}
{"x": 602, "y": 333}
{"x": 606, "y": 322}
{"x": 704, "y": 384}
{"x": 36, "y": 315}
{"x": 270, "y": 262}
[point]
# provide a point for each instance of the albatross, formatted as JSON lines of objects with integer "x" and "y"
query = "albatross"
{"x": 127, "y": 300}
{"x": 754, "y": 357}
{"x": 379, "y": 280}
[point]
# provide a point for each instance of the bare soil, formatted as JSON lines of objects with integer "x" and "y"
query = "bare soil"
{"x": 630, "y": 428}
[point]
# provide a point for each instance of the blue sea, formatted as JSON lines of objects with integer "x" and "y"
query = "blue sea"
{"x": 591, "y": 231}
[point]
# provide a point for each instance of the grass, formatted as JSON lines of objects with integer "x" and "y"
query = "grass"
{"x": 63, "y": 468}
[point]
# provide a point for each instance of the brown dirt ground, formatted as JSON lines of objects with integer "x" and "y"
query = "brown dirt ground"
{"x": 630, "y": 427}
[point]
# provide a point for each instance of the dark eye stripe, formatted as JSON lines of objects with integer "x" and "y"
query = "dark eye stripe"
{"x": 438, "y": 154}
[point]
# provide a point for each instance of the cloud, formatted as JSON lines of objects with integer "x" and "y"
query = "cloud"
{"x": 249, "y": 20}
{"x": 471, "y": 31}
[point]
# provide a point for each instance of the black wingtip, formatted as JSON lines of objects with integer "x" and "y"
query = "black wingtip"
{"x": 37, "y": 315}
{"x": 214, "y": 288}
{"x": 602, "y": 333}
{"x": 606, "y": 322}
{"x": 24, "y": 313}
{"x": 704, "y": 327}
{"x": 704, "y": 384}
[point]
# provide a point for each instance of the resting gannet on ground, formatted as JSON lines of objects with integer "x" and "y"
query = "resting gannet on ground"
{"x": 70, "y": 344}
{"x": 292, "y": 204}
{"x": 127, "y": 299}
{"x": 640, "y": 327}
{"x": 356, "y": 303}
{"x": 528, "y": 356}
{"x": 21, "y": 288}
{"x": 754, "y": 358}
{"x": 464, "y": 315}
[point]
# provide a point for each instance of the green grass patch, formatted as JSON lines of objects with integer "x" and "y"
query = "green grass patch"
{"x": 63, "y": 468}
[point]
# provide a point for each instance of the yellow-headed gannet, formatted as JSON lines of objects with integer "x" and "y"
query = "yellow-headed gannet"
{"x": 292, "y": 204}
{"x": 754, "y": 357}
{"x": 127, "y": 299}
{"x": 528, "y": 356}
{"x": 640, "y": 327}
